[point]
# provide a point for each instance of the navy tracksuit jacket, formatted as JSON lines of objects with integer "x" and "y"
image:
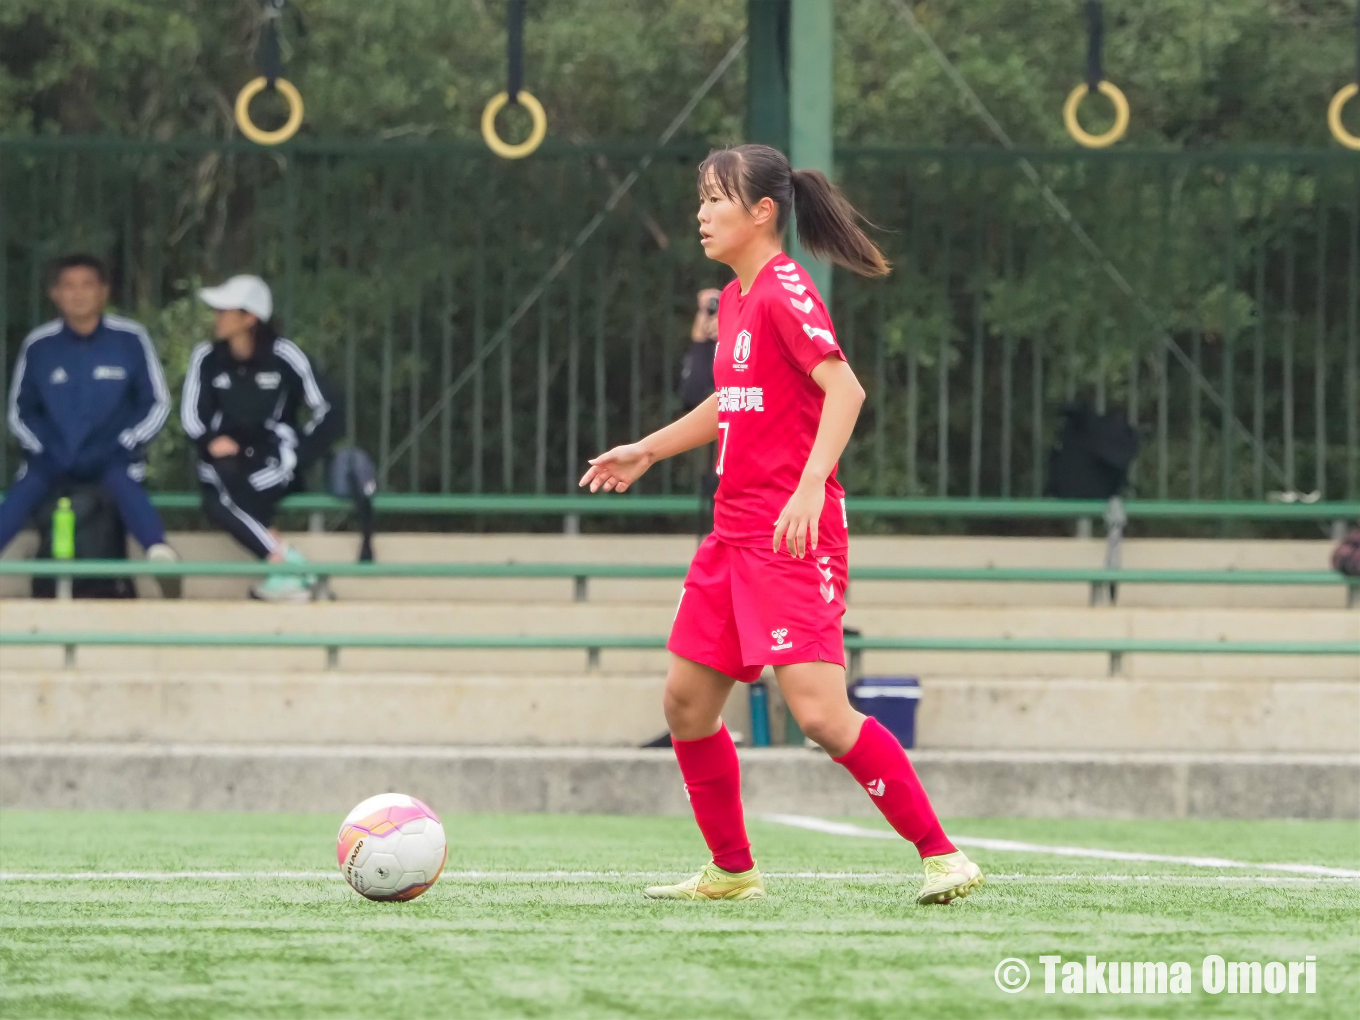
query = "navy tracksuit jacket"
{"x": 79, "y": 402}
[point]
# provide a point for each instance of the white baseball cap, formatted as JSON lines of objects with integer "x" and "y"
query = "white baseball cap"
{"x": 243, "y": 293}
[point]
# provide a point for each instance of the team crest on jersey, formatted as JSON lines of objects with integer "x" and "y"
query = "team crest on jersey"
{"x": 110, "y": 372}
{"x": 742, "y": 351}
{"x": 267, "y": 380}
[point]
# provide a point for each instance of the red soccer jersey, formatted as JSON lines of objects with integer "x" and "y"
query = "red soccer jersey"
{"x": 769, "y": 341}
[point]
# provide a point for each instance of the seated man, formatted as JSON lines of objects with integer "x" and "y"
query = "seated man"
{"x": 87, "y": 396}
{"x": 242, "y": 398}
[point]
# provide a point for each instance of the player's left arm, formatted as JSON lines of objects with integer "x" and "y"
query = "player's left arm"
{"x": 840, "y": 409}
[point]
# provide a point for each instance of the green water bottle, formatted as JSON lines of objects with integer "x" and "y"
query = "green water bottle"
{"x": 63, "y": 530}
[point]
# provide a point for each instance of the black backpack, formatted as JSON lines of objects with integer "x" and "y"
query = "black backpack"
{"x": 100, "y": 535}
{"x": 1092, "y": 455}
{"x": 353, "y": 477}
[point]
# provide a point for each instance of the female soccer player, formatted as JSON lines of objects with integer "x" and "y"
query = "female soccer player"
{"x": 767, "y": 587}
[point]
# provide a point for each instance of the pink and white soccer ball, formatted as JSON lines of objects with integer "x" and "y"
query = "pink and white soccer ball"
{"x": 391, "y": 847}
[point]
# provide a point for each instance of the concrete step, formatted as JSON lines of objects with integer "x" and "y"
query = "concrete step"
{"x": 877, "y": 550}
{"x": 961, "y": 783}
{"x": 1069, "y": 713}
{"x": 586, "y": 617}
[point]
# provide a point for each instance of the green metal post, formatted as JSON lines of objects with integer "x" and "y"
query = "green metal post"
{"x": 811, "y": 48}
{"x": 767, "y": 73}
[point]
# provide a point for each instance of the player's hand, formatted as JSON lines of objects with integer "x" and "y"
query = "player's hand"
{"x": 618, "y": 468}
{"x": 797, "y": 523}
{"x": 223, "y": 446}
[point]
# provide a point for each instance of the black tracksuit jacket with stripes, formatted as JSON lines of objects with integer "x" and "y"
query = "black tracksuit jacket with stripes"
{"x": 257, "y": 402}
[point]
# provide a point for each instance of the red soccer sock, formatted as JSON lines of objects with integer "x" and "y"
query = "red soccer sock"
{"x": 880, "y": 765}
{"x": 712, "y": 775}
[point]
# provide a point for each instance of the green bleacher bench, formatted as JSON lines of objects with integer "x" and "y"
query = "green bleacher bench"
{"x": 580, "y": 573}
{"x": 1115, "y": 647}
{"x": 605, "y": 505}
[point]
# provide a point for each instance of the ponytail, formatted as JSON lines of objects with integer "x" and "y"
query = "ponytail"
{"x": 828, "y": 225}
{"x": 266, "y": 332}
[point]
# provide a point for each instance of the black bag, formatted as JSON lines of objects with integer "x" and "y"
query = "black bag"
{"x": 353, "y": 477}
{"x": 1092, "y": 455}
{"x": 100, "y": 535}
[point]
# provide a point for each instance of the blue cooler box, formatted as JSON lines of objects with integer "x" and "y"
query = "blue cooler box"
{"x": 892, "y": 700}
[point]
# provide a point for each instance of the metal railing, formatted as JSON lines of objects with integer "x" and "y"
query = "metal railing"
{"x": 435, "y": 504}
{"x": 1116, "y": 648}
{"x": 395, "y": 263}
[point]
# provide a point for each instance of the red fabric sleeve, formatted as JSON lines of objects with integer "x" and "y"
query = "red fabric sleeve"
{"x": 799, "y": 320}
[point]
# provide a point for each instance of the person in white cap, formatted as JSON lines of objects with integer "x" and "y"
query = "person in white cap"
{"x": 243, "y": 395}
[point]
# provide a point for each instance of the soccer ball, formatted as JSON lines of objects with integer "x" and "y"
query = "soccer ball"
{"x": 391, "y": 847}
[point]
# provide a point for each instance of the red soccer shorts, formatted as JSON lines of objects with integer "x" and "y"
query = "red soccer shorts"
{"x": 743, "y": 609}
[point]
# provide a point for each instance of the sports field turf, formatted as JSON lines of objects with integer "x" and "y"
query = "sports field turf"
{"x": 586, "y": 944}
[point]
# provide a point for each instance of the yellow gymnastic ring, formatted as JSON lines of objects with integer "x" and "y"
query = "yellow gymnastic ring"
{"x": 502, "y": 148}
{"x": 1121, "y": 116}
{"x": 1339, "y": 132}
{"x": 252, "y": 89}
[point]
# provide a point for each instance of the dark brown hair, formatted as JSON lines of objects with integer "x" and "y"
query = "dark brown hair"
{"x": 77, "y": 260}
{"x": 828, "y": 225}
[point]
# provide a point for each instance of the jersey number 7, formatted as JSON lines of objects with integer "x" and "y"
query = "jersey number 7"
{"x": 722, "y": 445}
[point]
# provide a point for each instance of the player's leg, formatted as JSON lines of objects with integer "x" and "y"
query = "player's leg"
{"x": 124, "y": 482}
{"x": 816, "y": 695}
{"x": 31, "y": 486}
{"x": 223, "y": 511}
{"x": 694, "y": 699}
{"x": 705, "y": 663}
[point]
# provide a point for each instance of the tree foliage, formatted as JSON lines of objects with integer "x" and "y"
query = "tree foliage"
{"x": 1234, "y": 72}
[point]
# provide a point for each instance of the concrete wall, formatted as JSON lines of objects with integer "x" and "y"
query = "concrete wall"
{"x": 984, "y": 784}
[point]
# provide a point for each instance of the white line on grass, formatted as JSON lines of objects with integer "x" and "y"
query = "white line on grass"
{"x": 846, "y": 829}
{"x": 617, "y": 876}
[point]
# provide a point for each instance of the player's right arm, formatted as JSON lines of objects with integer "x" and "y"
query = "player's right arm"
{"x": 620, "y": 467}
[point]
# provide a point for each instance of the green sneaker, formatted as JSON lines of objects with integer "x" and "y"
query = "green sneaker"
{"x": 712, "y": 883}
{"x": 948, "y": 877}
{"x": 282, "y": 588}
{"x": 291, "y": 555}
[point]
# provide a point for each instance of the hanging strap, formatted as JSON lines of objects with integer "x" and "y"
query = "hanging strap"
{"x": 514, "y": 49}
{"x": 1095, "y": 29}
{"x": 268, "y": 54}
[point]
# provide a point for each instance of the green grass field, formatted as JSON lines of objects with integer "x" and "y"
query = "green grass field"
{"x": 845, "y": 941}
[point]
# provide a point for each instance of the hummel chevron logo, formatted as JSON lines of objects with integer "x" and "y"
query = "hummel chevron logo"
{"x": 828, "y": 592}
{"x": 818, "y": 334}
{"x": 798, "y": 288}
{"x": 791, "y": 267}
{"x": 803, "y": 306}
{"x": 876, "y": 788}
{"x": 825, "y": 572}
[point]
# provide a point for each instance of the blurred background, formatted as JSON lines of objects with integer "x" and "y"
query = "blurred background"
{"x": 397, "y": 243}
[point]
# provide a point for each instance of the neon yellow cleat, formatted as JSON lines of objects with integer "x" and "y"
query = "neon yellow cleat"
{"x": 948, "y": 877}
{"x": 712, "y": 883}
